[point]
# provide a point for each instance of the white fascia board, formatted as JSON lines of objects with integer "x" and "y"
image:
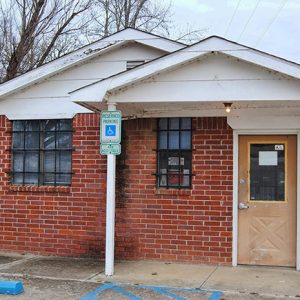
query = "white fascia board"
{"x": 86, "y": 53}
{"x": 146, "y": 39}
{"x": 214, "y": 43}
{"x": 14, "y": 117}
{"x": 251, "y": 55}
{"x": 253, "y": 122}
{"x": 274, "y": 64}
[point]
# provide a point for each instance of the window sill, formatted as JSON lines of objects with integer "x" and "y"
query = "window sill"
{"x": 34, "y": 188}
{"x": 182, "y": 192}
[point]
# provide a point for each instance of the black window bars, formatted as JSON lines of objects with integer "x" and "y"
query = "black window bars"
{"x": 174, "y": 153}
{"x": 42, "y": 152}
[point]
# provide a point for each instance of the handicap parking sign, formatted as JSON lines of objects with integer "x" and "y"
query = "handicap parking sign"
{"x": 110, "y": 130}
{"x": 110, "y": 127}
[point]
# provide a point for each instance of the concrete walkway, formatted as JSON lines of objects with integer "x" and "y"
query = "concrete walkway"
{"x": 260, "y": 280}
{"x": 77, "y": 277}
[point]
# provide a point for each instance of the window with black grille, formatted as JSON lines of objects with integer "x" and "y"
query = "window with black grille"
{"x": 42, "y": 152}
{"x": 174, "y": 163}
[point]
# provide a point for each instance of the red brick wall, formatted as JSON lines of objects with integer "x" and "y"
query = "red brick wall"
{"x": 65, "y": 221}
{"x": 186, "y": 225}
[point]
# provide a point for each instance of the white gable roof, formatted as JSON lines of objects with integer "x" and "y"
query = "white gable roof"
{"x": 98, "y": 91}
{"x": 86, "y": 53}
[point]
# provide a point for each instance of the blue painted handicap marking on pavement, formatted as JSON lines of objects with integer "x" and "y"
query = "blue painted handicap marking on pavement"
{"x": 110, "y": 130}
{"x": 168, "y": 292}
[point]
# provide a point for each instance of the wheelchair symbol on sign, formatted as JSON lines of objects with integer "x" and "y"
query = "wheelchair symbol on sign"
{"x": 110, "y": 130}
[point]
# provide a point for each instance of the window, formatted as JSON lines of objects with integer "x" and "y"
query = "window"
{"x": 174, "y": 163}
{"x": 267, "y": 172}
{"x": 42, "y": 152}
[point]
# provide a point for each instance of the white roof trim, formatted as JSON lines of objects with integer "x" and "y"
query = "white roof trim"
{"x": 81, "y": 55}
{"x": 97, "y": 91}
{"x": 40, "y": 116}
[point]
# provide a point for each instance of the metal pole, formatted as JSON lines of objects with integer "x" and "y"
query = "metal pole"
{"x": 110, "y": 210}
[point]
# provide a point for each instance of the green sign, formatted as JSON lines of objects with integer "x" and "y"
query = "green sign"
{"x": 106, "y": 149}
{"x": 110, "y": 127}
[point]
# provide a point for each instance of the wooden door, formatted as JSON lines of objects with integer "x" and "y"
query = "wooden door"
{"x": 267, "y": 200}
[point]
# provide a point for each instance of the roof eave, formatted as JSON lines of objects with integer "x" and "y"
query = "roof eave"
{"x": 85, "y": 53}
{"x": 172, "y": 60}
{"x": 57, "y": 66}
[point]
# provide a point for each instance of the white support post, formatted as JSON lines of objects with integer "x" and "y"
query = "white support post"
{"x": 298, "y": 204}
{"x": 235, "y": 198}
{"x": 110, "y": 210}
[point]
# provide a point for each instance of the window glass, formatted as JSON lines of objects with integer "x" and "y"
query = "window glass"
{"x": 174, "y": 123}
{"x": 32, "y": 126}
{"x": 63, "y": 178}
{"x": 49, "y": 162}
{"x": 173, "y": 139}
{"x": 50, "y": 125}
{"x": 163, "y": 140}
{"x": 18, "y": 162}
{"x": 49, "y": 178}
{"x": 32, "y": 140}
{"x": 186, "y": 123}
{"x": 31, "y": 161}
{"x": 18, "y": 141}
{"x": 267, "y": 172}
{"x": 18, "y": 125}
{"x": 174, "y": 159}
{"x": 63, "y": 163}
{"x": 42, "y": 152}
{"x": 49, "y": 140}
{"x": 17, "y": 178}
{"x": 162, "y": 124}
{"x": 185, "y": 138}
{"x": 65, "y": 125}
{"x": 64, "y": 140}
{"x": 31, "y": 179}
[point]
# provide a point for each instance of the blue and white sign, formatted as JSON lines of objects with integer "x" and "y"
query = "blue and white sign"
{"x": 110, "y": 127}
{"x": 110, "y": 130}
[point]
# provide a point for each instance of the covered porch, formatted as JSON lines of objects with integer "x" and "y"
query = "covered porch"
{"x": 198, "y": 82}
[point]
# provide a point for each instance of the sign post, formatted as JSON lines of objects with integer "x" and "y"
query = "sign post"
{"x": 110, "y": 138}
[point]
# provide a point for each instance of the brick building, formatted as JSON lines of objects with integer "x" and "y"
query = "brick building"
{"x": 194, "y": 183}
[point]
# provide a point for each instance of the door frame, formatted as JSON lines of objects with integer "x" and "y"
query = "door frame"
{"x": 236, "y": 134}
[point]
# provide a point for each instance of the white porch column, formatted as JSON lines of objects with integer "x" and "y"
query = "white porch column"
{"x": 110, "y": 210}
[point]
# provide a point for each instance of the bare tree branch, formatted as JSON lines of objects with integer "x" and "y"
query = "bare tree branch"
{"x": 31, "y": 28}
{"x": 33, "y": 32}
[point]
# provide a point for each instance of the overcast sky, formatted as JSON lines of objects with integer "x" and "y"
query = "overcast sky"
{"x": 269, "y": 25}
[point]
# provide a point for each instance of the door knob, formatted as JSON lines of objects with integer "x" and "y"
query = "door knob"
{"x": 243, "y": 205}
